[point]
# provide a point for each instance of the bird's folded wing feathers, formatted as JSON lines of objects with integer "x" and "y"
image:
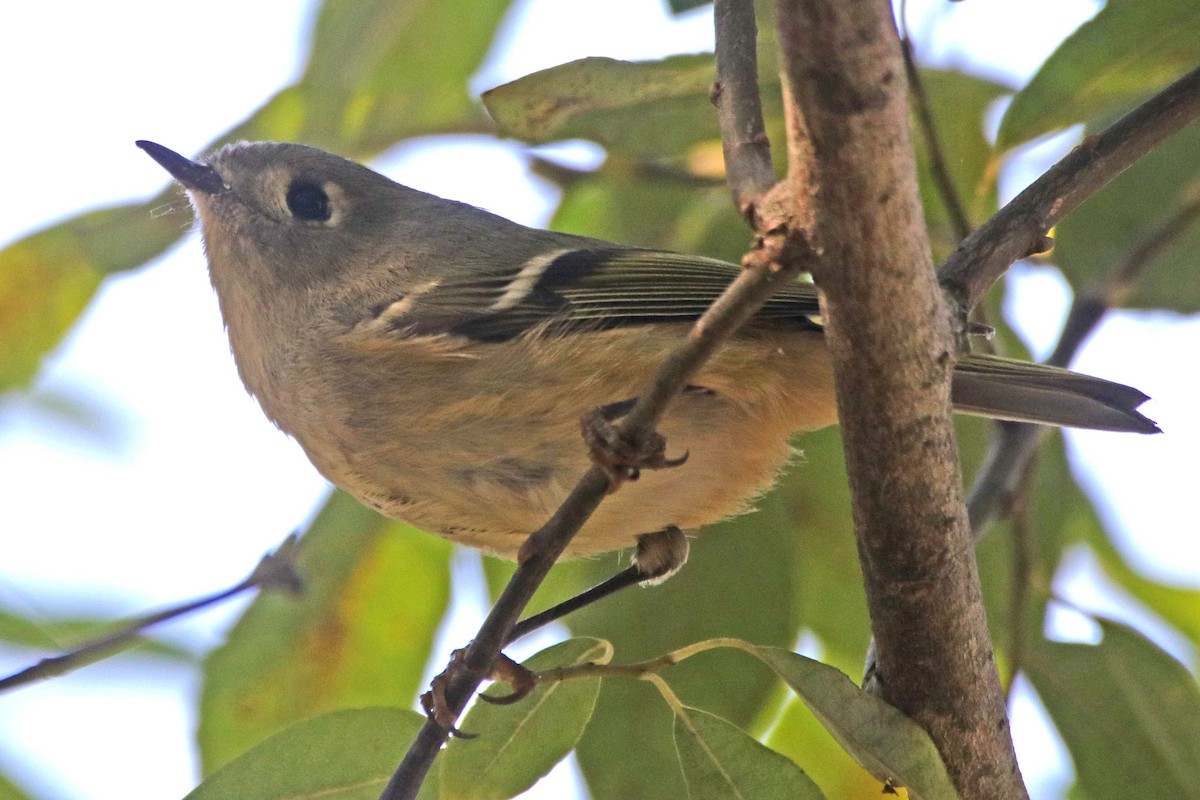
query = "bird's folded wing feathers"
{"x": 594, "y": 288}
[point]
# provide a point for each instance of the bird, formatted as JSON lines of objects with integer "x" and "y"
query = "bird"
{"x": 434, "y": 359}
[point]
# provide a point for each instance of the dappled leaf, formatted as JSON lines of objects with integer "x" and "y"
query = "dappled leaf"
{"x": 376, "y": 591}
{"x": 342, "y": 755}
{"x": 879, "y": 736}
{"x": 1115, "y": 222}
{"x": 721, "y": 762}
{"x": 1127, "y": 711}
{"x": 48, "y": 278}
{"x": 636, "y": 109}
{"x": 517, "y": 744}
{"x": 1129, "y": 50}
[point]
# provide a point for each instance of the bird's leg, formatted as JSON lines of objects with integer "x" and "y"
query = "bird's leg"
{"x": 659, "y": 555}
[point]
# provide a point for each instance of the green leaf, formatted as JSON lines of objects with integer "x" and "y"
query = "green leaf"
{"x": 10, "y": 790}
{"x": 814, "y": 500}
{"x": 741, "y": 580}
{"x": 342, "y": 755}
{"x": 721, "y": 762}
{"x": 800, "y": 736}
{"x": 1177, "y": 605}
{"x": 609, "y": 102}
{"x": 680, "y": 6}
{"x": 518, "y": 744}
{"x": 1111, "y": 225}
{"x": 360, "y": 635}
{"x": 1129, "y": 50}
{"x": 1127, "y": 711}
{"x": 363, "y": 90}
{"x": 879, "y": 736}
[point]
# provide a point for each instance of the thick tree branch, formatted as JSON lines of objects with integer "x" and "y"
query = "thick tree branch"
{"x": 739, "y": 107}
{"x": 889, "y": 334}
{"x": 1019, "y": 228}
{"x": 743, "y": 298}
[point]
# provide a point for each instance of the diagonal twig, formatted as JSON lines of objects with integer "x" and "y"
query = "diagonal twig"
{"x": 738, "y": 303}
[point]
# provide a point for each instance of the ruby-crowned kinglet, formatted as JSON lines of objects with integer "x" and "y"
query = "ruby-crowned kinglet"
{"x": 434, "y": 359}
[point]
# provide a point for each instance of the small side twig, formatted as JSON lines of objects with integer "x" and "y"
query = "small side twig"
{"x": 275, "y": 571}
{"x": 1014, "y": 447}
{"x": 739, "y": 107}
{"x": 1019, "y": 229}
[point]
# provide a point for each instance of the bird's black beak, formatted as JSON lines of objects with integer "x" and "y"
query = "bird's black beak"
{"x": 199, "y": 177}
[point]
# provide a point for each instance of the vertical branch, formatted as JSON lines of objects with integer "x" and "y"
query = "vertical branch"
{"x": 739, "y": 107}
{"x": 890, "y": 337}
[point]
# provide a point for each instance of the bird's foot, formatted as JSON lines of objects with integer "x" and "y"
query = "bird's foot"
{"x": 621, "y": 459}
{"x": 505, "y": 670}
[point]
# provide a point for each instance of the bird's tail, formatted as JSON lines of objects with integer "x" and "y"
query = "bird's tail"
{"x": 1003, "y": 388}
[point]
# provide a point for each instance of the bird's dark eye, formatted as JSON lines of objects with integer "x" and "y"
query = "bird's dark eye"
{"x": 307, "y": 201}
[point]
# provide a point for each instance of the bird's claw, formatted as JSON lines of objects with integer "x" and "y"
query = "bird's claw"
{"x": 620, "y": 459}
{"x": 437, "y": 708}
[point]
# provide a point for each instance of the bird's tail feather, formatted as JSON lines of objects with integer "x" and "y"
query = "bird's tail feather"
{"x": 1003, "y": 388}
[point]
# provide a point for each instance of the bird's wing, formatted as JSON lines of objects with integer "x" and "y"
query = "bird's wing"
{"x": 593, "y": 288}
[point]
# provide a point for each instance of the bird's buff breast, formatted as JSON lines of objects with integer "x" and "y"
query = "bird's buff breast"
{"x": 488, "y": 467}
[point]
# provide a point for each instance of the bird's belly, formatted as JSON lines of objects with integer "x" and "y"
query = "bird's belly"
{"x": 495, "y": 503}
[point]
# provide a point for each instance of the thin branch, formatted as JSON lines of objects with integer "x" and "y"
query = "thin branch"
{"x": 1123, "y": 279}
{"x": 1013, "y": 449}
{"x": 1019, "y": 229}
{"x": 1022, "y": 581}
{"x": 739, "y": 107}
{"x": 275, "y": 571}
{"x": 938, "y": 167}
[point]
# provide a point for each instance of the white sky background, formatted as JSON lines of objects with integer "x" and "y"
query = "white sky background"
{"x": 182, "y": 484}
